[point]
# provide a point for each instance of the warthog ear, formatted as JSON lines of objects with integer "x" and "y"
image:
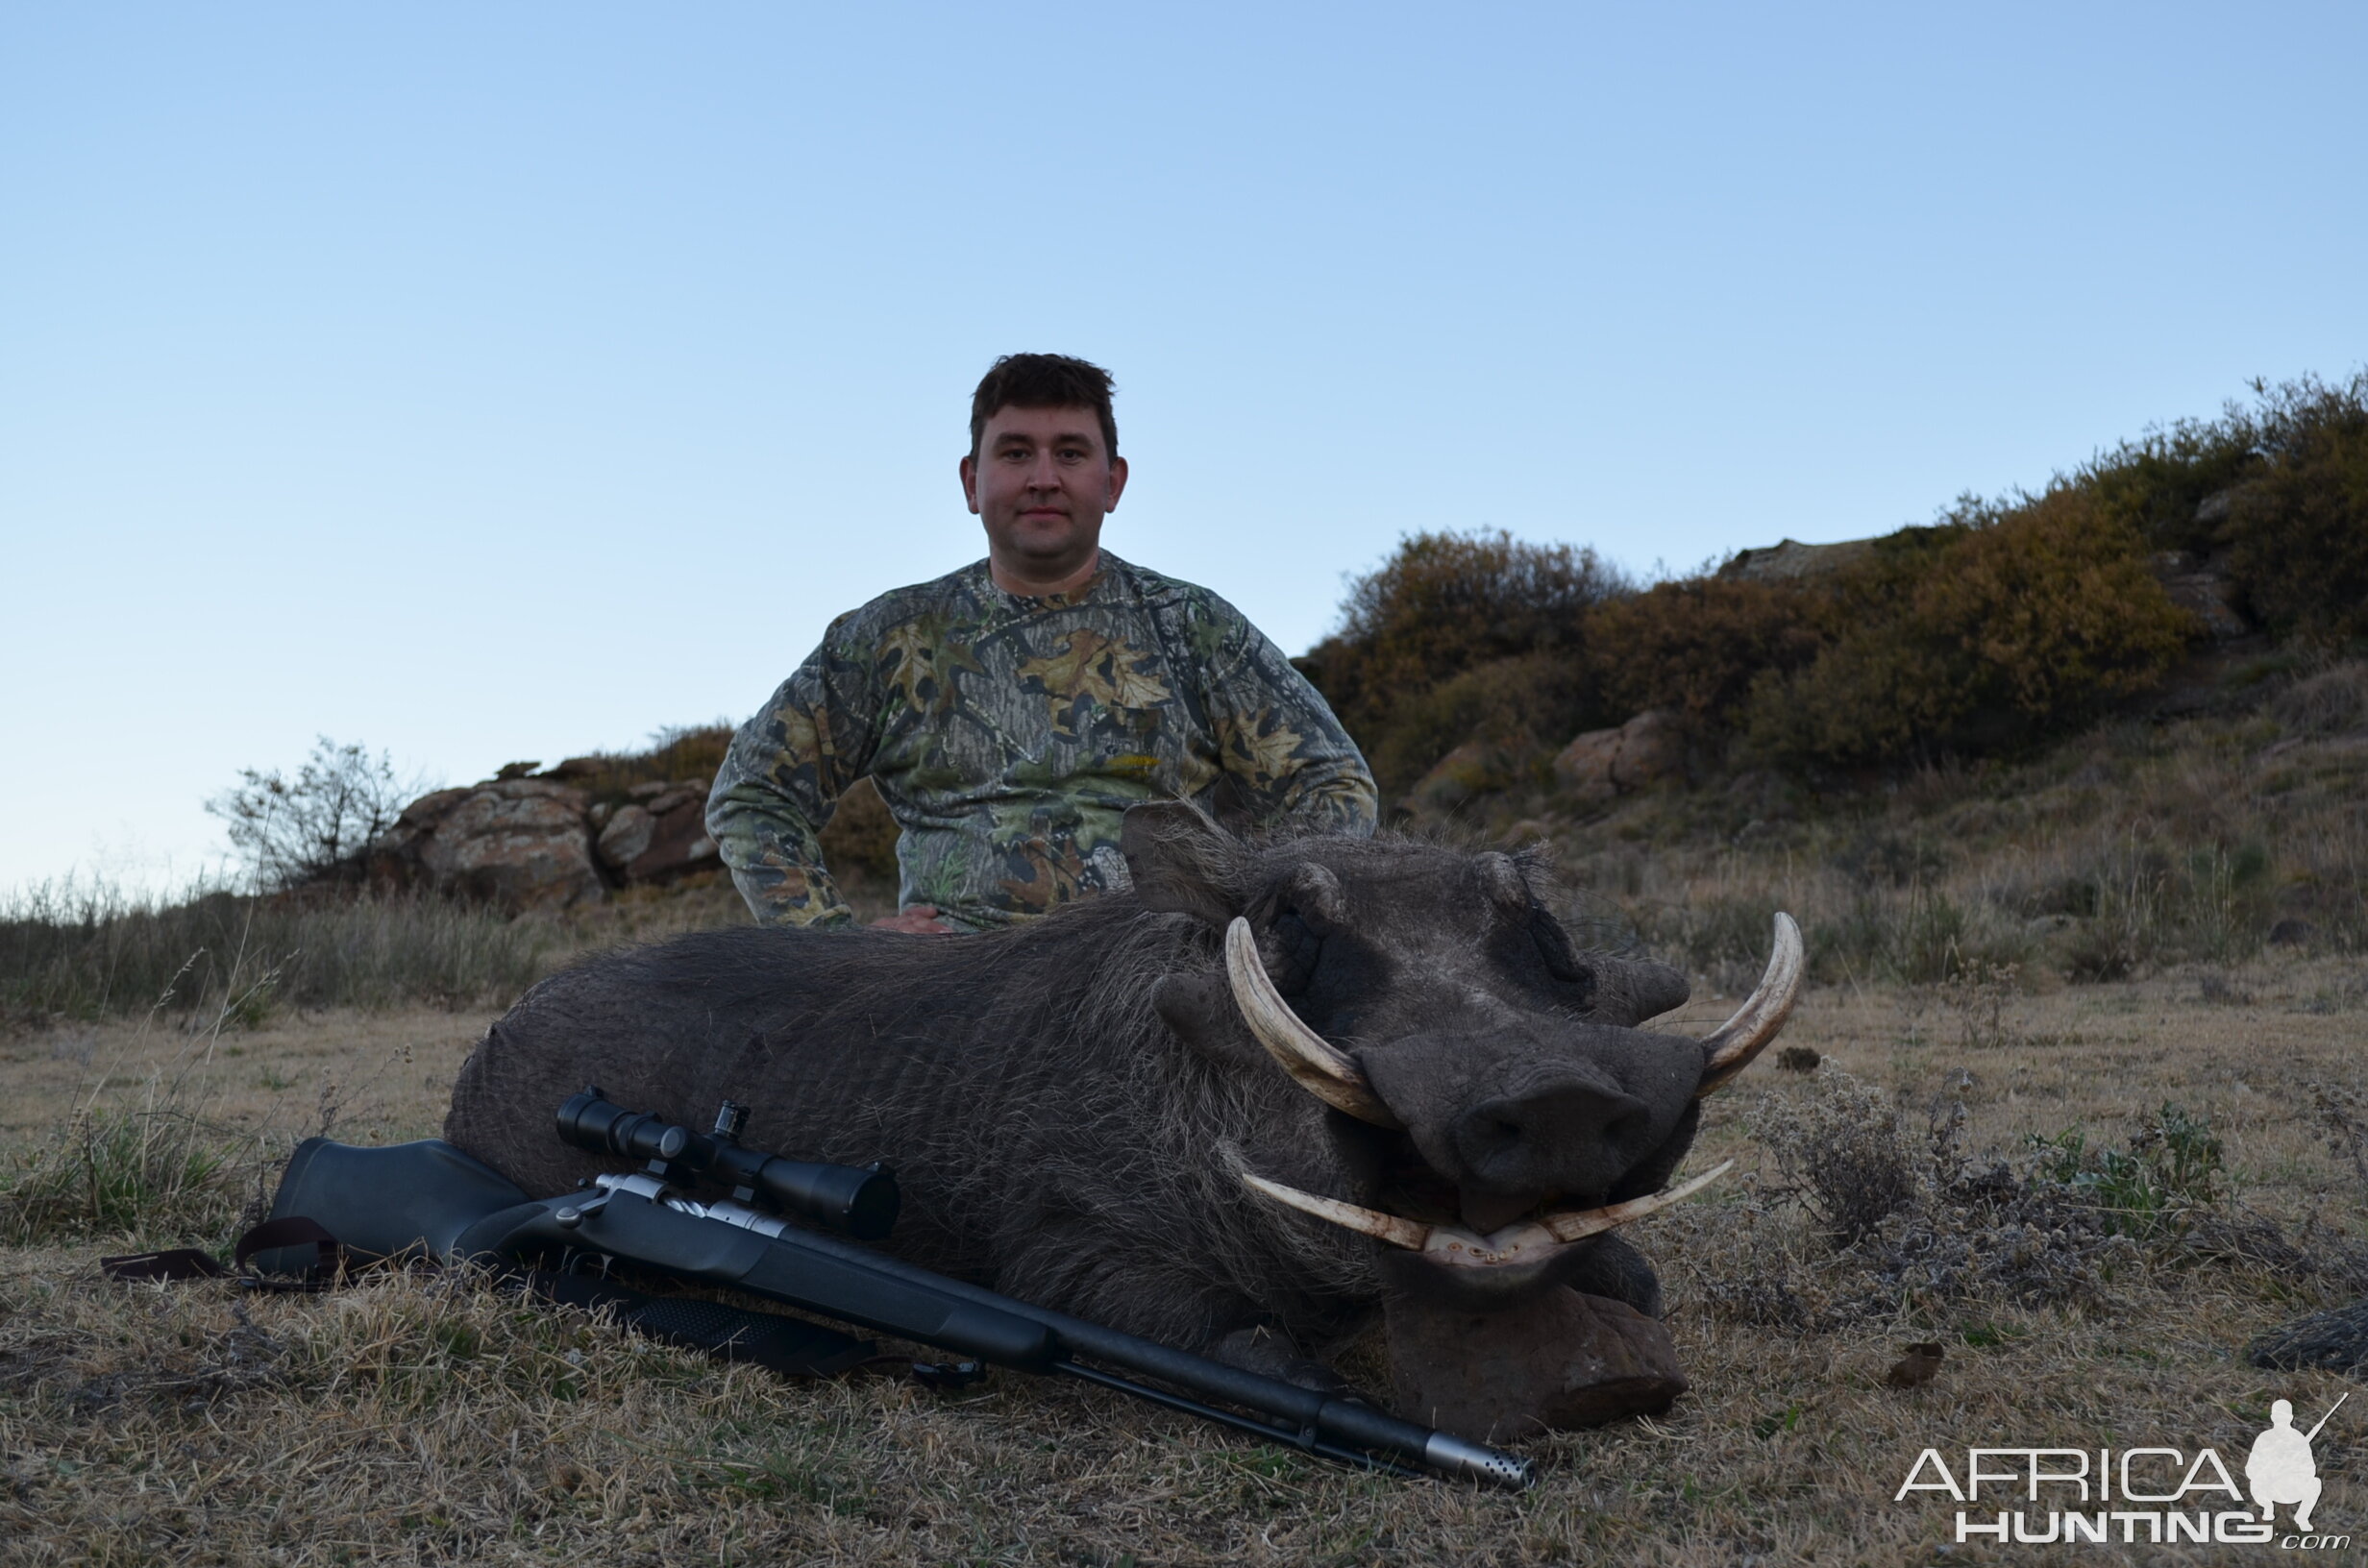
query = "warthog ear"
{"x": 1181, "y": 860}
{"x": 1631, "y": 990}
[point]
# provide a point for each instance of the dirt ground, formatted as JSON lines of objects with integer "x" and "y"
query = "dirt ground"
{"x": 432, "y": 1420}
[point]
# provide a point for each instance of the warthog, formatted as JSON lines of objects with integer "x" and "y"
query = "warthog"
{"x": 1086, "y": 1111}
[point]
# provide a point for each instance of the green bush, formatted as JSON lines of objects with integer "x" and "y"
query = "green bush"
{"x": 1696, "y": 645}
{"x": 2279, "y": 490}
{"x": 1997, "y": 629}
{"x": 1445, "y": 603}
{"x": 1525, "y": 707}
{"x": 2298, "y": 529}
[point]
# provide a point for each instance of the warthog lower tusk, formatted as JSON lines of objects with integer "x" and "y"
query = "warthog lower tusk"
{"x": 1527, "y": 1241}
{"x": 1398, "y": 1233}
{"x": 1729, "y": 1049}
{"x": 1313, "y": 1062}
{"x": 1586, "y": 1222}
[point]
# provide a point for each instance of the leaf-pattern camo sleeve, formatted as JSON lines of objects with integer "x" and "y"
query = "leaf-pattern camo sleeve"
{"x": 1280, "y": 741}
{"x": 783, "y": 779}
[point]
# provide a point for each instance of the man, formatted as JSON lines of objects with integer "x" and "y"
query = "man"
{"x": 1009, "y": 713}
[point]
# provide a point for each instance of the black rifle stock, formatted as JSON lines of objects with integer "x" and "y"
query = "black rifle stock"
{"x": 430, "y": 1195}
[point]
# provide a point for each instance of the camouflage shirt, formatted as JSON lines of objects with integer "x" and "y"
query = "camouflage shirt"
{"x": 1007, "y": 734}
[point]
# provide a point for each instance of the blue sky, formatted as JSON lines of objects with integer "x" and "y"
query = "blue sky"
{"x": 492, "y": 383}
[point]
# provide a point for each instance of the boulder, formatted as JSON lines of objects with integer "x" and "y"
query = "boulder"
{"x": 675, "y": 799}
{"x": 677, "y": 841}
{"x": 1603, "y": 764}
{"x": 1548, "y": 1362}
{"x": 2205, "y": 590}
{"x": 625, "y": 835}
{"x": 1788, "y": 560}
{"x": 1473, "y": 769}
{"x": 520, "y": 842}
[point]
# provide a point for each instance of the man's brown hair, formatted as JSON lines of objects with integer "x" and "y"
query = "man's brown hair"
{"x": 1044, "y": 380}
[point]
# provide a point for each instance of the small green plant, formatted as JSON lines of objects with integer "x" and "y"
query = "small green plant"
{"x": 156, "y": 1173}
{"x": 2171, "y": 1169}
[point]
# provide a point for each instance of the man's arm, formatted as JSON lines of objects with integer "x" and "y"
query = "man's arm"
{"x": 1281, "y": 744}
{"x": 779, "y": 784}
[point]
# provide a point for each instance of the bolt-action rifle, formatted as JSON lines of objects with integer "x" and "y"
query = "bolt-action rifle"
{"x": 769, "y": 1239}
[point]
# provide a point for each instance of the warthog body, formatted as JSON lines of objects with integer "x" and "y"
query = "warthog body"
{"x": 1072, "y": 1104}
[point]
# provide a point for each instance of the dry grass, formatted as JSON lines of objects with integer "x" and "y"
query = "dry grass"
{"x": 90, "y": 951}
{"x": 2126, "y": 850}
{"x": 427, "y": 1419}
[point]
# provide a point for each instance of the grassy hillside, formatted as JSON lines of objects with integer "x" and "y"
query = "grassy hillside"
{"x": 2004, "y": 626}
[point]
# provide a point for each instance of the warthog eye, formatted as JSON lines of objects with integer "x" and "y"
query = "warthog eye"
{"x": 1562, "y": 961}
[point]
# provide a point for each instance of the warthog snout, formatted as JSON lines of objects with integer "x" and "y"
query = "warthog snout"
{"x": 1567, "y": 1136}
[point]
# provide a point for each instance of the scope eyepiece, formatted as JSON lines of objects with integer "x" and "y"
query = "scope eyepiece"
{"x": 590, "y": 1122}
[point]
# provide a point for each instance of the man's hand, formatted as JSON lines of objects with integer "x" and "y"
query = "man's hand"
{"x": 921, "y": 919}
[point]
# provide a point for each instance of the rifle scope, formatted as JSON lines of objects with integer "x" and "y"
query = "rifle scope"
{"x": 860, "y": 1201}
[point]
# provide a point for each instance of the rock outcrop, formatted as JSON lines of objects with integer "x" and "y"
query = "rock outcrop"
{"x": 1603, "y": 764}
{"x": 1788, "y": 560}
{"x": 2205, "y": 590}
{"x": 542, "y": 842}
{"x": 519, "y": 842}
{"x": 660, "y": 836}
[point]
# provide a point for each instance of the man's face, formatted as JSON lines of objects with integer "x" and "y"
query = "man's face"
{"x": 1041, "y": 482}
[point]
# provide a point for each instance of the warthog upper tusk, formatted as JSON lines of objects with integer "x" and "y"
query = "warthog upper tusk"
{"x": 1313, "y": 1062}
{"x": 1729, "y": 1049}
{"x": 1527, "y": 1241}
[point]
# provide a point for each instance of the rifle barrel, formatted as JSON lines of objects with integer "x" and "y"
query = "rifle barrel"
{"x": 870, "y": 1289}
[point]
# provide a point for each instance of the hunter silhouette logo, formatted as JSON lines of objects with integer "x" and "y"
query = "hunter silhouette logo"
{"x": 2279, "y": 1469}
{"x": 2148, "y": 1496}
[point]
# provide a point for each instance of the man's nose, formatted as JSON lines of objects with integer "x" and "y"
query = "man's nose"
{"x": 1044, "y": 474}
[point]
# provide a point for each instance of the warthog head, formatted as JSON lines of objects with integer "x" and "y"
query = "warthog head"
{"x": 1478, "y": 1093}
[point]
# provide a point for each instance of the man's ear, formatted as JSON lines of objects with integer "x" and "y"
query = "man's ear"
{"x": 969, "y": 481}
{"x": 1179, "y": 860}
